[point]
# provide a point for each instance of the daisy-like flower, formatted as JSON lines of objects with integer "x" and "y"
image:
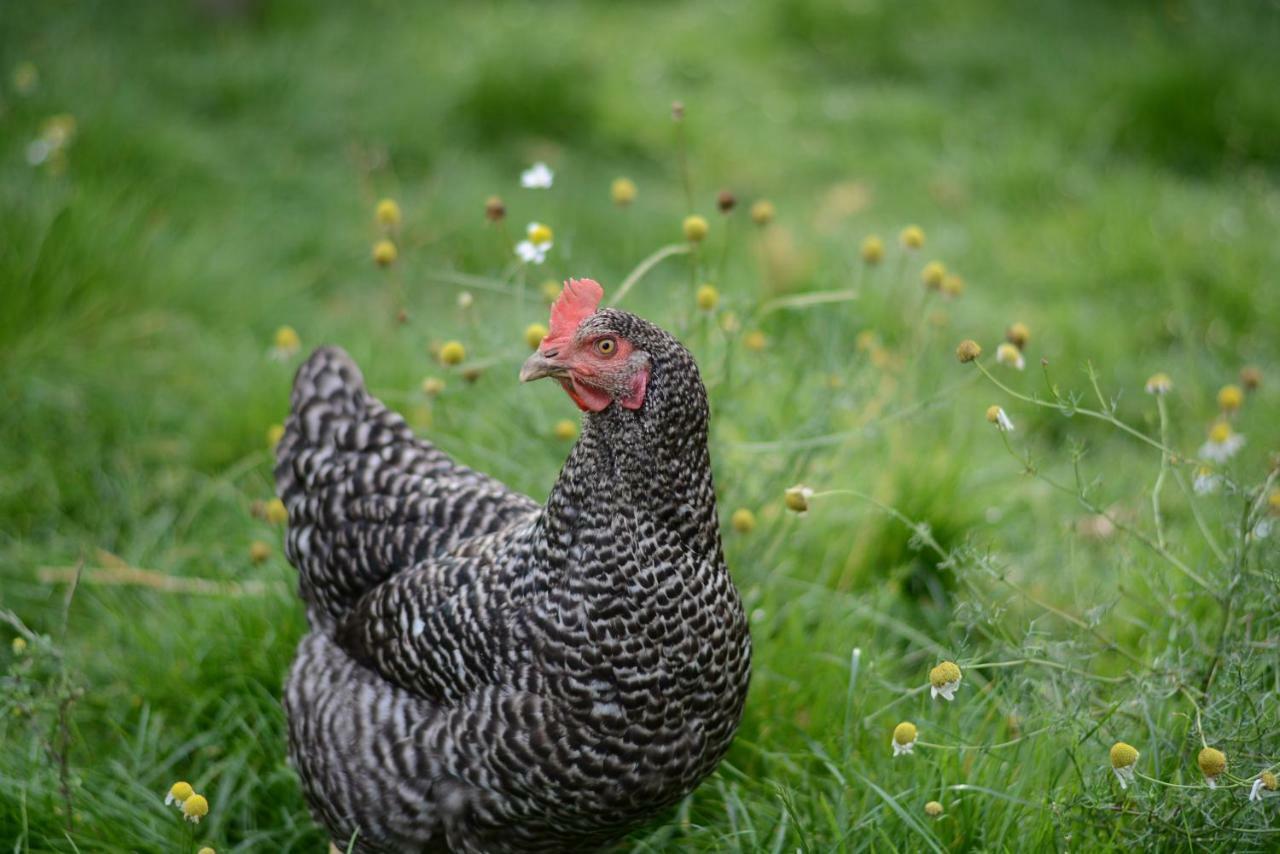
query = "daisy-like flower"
{"x": 1223, "y": 443}
{"x": 797, "y": 498}
{"x": 534, "y": 249}
{"x": 743, "y": 520}
{"x": 1159, "y": 384}
{"x": 537, "y": 177}
{"x": 997, "y": 416}
{"x": 1124, "y": 761}
{"x": 286, "y": 344}
{"x": 944, "y": 680}
{"x": 1213, "y": 764}
{"x": 1265, "y": 780}
{"x": 195, "y": 808}
{"x": 178, "y": 793}
{"x": 904, "y": 738}
{"x": 1206, "y": 482}
{"x": 1009, "y": 354}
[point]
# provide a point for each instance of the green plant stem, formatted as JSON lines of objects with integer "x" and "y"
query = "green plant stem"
{"x": 645, "y": 266}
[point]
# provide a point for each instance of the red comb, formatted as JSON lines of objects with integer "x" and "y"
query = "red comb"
{"x": 576, "y": 303}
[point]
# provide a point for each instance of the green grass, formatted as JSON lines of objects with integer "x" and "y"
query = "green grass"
{"x": 1106, "y": 175}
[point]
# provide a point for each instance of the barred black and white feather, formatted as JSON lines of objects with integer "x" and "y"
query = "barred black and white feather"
{"x": 484, "y": 674}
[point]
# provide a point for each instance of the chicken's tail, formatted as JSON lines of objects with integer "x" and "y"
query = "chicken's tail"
{"x": 366, "y": 498}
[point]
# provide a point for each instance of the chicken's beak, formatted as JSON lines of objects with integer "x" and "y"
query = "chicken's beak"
{"x": 538, "y": 366}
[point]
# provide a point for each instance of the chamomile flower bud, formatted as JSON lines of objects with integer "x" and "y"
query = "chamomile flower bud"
{"x": 1223, "y": 443}
{"x": 944, "y": 680}
{"x": 565, "y": 430}
{"x": 195, "y": 808}
{"x": 904, "y": 738}
{"x": 384, "y": 253}
{"x": 912, "y": 237}
{"x": 1124, "y": 762}
{"x": 1250, "y": 377}
{"x": 797, "y": 498}
{"x": 1008, "y": 354}
{"x": 695, "y": 228}
{"x": 952, "y": 286}
{"x": 708, "y": 297}
{"x": 997, "y": 416}
{"x": 18, "y": 645}
{"x": 259, "y": 551}
{"x": 622, "y": 191}
{"x": 872, "y": 250}
{"x": 1213, "y": 763}
{"x": 432, "y": 386}
{"x": 755, "y": 341}
{"x": 968, "y": 350}
{"x": 287, "y": 343}
{"x": 495, "y": 210}
{"x": 933, "y": 274}
{"x": 452, "y": 353}
{"x": 763, "y": 212}
{"x": 178, "y": 793}
{"x": 1230, "y": 397}
{"x": 1159, "y": 384}
{"x": 276, "y": 513}
{"x": 1205, "y": 481}
{"x": 726, "y": 201}
{"x": 465, "y": 300}
{"x": 1018, "y": 335}
{"x": 1266, "y": 780}
{"x": 743, "y": 520}
{"x": 388, "y": 213}
{"x": 933, "y": 809}
{"x": 533, "y": 335}
{"x": 274, "y": 434}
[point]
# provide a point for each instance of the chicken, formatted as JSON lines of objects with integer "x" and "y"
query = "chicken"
{"x": 486, "y": 674}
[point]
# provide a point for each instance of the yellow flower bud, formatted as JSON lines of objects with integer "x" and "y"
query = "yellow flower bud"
{"x": 944, "y": 674}
{"x": 539, "y": 233}
{"x": 743, "y": 521}
{"x": 388, "y": 213}
{"x": 763, "y": 212}
{"x": 797, "y": 499}
{"x": 968, "y": 350}
{"x": 755, "y": 341}
{"x": 565, "y": 430}
{"x": 533, "y": 335}
{"x": 623, "y": 192}
{"x": 1230, "y": 397}
{"x": 912, "y": 237}
{"x": 933, "y": 274}
{"x": 872, "y": 250}
{"x": 695, "y": 228}
{"x": 1018, "y": 335}
{"x": 1123, "y": 755}
{"x": 952, "y": 285}
{"x": 432, "y": 386}
{"x": 1250, "y": 377}
{"x": 904, "y": 733}
{"x": 287, "y": 339}
{"x": 1219, "y": 432}
{"x": 452, "y": 353}
{"x": 259, "y": 551}
{"x": 195, "y": 808}
{"x": 179, "y": 792}
{"x": 708, "y": 297}
{"x": 384, "y": 253}
{"x": 276, "y": 512}
{"x": 1212, "y": 762}
{"x": 1159, "y": 384}
{"x": 933, "y": 809}
{"x": 274, "y": 434}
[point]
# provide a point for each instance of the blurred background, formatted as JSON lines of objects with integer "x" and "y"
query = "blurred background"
{"x": 180, "y": 180}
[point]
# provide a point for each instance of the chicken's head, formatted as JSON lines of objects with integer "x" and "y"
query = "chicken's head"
{"x": 589, "y": 351}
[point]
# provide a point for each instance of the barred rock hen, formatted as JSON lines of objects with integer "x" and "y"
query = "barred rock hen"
{"x": 484, "y": 674}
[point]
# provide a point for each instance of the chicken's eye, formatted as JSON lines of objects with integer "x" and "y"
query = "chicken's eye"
{"x": 606, "y": 346}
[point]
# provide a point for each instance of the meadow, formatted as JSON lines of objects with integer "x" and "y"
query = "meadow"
{"x": 190, "y": 201}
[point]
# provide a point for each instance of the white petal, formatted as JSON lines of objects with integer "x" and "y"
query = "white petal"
{"x": 1255, "y": 793}
{"x": 538, "y": 176}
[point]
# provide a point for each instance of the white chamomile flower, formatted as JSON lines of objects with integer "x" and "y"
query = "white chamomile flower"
{"x": 537, "y": 177}
{"x": 944, "y": 680}
{"x": 997, "y": 416}
{"x": 904, "y": 739}
{"x": 1124, "y": 762}
{"x": 534, "y": 249}
{"x": 1007, "y": 354}
{"x": 1223, "y": 443}
{"x": 1265, "y": 780}
{"x": 1206, "y": 482}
